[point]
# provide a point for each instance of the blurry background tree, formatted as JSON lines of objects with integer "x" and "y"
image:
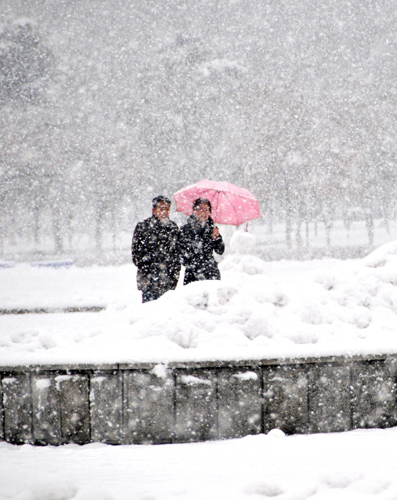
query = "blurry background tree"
{"x": 24, "y": 64}
{"x": 104, "y": 104}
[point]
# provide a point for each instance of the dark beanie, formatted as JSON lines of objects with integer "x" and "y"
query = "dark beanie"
{"x": 160, "y": 199}
{"x": 199, "y": 201}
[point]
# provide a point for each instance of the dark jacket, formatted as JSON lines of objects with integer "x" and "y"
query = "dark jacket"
{"x": 155, "y": 251}
{"x": 197, "y": 247}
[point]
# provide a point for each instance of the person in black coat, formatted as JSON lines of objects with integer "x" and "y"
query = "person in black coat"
{"x": 155, "y": 251}
{"x": 199, "y": 239}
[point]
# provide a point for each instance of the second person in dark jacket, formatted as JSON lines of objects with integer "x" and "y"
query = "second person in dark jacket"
{"x": 199, "y": 239}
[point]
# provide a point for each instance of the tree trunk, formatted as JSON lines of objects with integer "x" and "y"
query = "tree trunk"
{"x": 57, "y": 230}
{"x": 369, "y": 222}
{"x": 98, "y": 230}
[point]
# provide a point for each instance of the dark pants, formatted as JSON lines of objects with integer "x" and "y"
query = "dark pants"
{"x": 211, "y": 272}
{"x": 149, "y": 295}
{"x": 154, "y": 284}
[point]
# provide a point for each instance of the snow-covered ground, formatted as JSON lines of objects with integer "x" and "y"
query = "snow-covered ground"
{"x": 259, "y": 310}
{"x": 356, "y": 465}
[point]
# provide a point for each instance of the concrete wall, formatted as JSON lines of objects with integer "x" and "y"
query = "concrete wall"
{"x": 185, "y": 402}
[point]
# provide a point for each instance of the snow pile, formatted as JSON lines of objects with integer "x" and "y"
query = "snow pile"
{"x": 259, "y": 310}
{"x": 341, "y": 310}
{"x": 243, "y": 242}
{"x": 356, "y": 465}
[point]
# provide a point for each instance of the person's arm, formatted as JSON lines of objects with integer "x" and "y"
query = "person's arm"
{"x": 140, "y": 255}
{"x": 219, "y": 246}
{"x": 216, "y": 239}
{"x": 174, "y": 257}
{"x": 186, "y": 247}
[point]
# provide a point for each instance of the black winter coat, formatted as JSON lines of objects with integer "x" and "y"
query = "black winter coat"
{"x": 197, "y": 247}
{"x": 155, "y": 251}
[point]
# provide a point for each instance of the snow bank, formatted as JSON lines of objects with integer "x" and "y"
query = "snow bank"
{"x": 356, "y": 465}
{"x": 259, "y": 310}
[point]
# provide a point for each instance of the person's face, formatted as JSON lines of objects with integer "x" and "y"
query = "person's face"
{"x": 162, "y": 210}
{"x": 202, "y": 212}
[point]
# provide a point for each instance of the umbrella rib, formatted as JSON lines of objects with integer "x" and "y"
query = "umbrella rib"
{"x": 206, "y": 191}
{"x": 216, "y": 199}
{"x": 231, "y": 204}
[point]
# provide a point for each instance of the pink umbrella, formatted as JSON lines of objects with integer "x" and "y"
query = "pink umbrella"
{"x": 230, "y": 204}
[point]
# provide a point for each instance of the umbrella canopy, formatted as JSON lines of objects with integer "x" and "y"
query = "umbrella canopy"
{"x": 230, "y": 204}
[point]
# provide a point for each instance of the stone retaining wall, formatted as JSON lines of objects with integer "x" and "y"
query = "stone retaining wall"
{"x": 185, "y": 402}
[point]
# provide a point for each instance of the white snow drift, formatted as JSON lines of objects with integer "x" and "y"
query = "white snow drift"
{"x": 259, "y": 310}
